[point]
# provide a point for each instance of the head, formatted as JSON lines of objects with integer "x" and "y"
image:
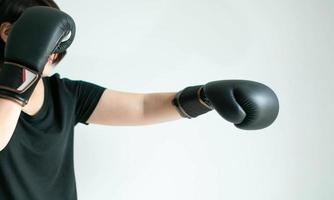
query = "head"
{"x": 10, "y": 11}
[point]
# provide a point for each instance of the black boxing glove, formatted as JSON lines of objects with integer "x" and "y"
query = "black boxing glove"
{"x": 248, "y": 105}
{"x": 39, "y": 32}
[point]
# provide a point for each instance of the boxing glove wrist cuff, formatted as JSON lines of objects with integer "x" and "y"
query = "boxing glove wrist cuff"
{"x": 10, "y": 97}
{"x": 190, "y": 103}
{"x": 17, "y": 82}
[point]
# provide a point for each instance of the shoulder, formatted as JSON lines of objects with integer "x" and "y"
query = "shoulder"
{"x": 61, "y": 84}
{"x": 76, "y": 87}
{"x": 57, "y": 78}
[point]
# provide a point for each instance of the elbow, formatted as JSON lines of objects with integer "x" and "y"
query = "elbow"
{"x": 3, "y": 144}
{"x": 4, "y": 141}
{"x": 2, "y": 147}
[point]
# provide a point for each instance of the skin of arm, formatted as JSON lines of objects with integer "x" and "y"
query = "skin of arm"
{"x": 9, "y": 115}
{"x": 134, "y": 109}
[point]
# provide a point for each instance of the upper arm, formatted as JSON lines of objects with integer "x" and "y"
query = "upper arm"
{"x": 118, "y": 108}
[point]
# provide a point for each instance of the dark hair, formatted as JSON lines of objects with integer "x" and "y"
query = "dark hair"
{"x": 11, "y": 10}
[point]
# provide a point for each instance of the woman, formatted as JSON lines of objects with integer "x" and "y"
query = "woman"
{"x": 38, "y": 112}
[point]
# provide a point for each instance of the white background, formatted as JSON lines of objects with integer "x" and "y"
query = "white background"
{"x": 164, "y": 46}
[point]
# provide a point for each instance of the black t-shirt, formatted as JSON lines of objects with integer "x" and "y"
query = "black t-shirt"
{"x": 37, "y": 163}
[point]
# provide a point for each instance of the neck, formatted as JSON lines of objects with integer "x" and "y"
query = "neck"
{"x": 36, "y": 100}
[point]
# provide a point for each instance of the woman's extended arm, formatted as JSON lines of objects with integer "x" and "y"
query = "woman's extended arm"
{"x": 249, "y": 105}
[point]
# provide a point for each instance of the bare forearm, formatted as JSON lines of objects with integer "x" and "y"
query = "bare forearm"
{"x": 134, "y": 109}
{"x": 9, "y": 114}
{"x": 158, "y": 108}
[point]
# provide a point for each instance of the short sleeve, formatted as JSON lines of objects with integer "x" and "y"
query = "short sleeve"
{"x": 87, "y": 97}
